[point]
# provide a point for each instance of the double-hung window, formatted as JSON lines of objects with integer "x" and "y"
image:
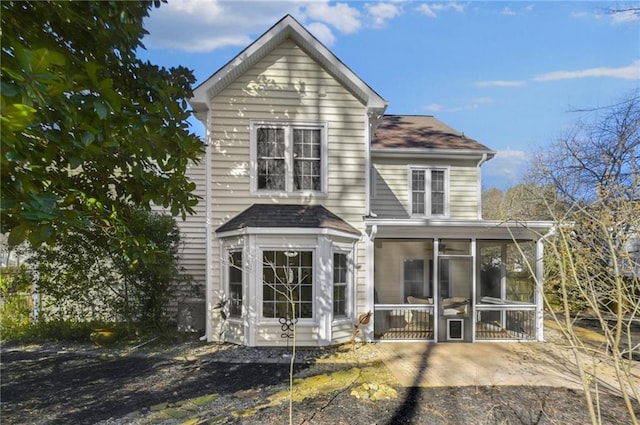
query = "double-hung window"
{"x": 340, "y": 285}
{"x": 289, "y": 157}
{"x": 428, "y": 188}
{"x": 235, "y": 283}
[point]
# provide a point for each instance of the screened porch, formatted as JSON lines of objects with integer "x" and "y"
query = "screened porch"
{"x": 454, "y": 290}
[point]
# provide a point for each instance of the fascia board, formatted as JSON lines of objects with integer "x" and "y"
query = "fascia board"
{"x": 287, "y": 231}
{"x": 466, "y": 228}
{"x": 431, "y": 153}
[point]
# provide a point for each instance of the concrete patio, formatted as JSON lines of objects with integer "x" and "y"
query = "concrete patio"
{"x": 494, "y": 364}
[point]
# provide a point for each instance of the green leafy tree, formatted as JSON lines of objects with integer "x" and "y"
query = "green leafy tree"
{"x": 87, "y": 277}
{"x": 89, "y": 131}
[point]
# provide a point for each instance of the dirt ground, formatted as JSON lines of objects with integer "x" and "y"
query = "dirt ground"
{"x": 221, "y": 384}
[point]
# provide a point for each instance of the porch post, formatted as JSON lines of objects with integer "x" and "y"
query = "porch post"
{"x": 539, "y": 293}
{"x": 369, "y": 288}
{"x": 436, "y": 288}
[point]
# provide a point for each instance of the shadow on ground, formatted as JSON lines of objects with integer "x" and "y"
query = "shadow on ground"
{"x": 84, "y": 388}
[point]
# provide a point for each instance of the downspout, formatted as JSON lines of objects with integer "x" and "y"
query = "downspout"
{"x": 479, "y": 185}
{"x": 367, "y": 153}
{"x": 370, "y": 279}
{"x": 209, "y": 236}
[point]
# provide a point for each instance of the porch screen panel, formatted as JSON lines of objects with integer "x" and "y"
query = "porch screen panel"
{"x": 271, "y": 158}
{"x": 519, "y": 280}
{"x": 307, "y": 164}
{"x": 417, "y": 191}
{"x": 287, "y": 283}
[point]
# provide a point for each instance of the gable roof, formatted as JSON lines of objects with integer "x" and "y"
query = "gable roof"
{"x": 289, "y": 216}
{"x": 422, "y": 133}
{"x": 287, "y": 27}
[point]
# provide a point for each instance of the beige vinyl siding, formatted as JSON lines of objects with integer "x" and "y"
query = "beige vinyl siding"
{"x": 284, "y": 87}
{"x": 192, "y": 231}
{"x": 343, "y": 332}
{"x": 391, "y": 199}
{"x": 270, "y": 336}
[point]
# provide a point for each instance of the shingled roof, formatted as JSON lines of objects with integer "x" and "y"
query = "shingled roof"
{"x": 289, "y": 216}
{"x": 421, "y": 132}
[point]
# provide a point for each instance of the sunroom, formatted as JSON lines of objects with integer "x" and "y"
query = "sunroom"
{"x": 477, "y": 282}
{"x": 286, "y": 265}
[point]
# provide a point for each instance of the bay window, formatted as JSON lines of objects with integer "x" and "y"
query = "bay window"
{"x": 287, "y": 284}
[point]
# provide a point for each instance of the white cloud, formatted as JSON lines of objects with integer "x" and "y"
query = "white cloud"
{"x": 474, "y": 104}
{"x": 630, "y": 72}
{"x": 343, "y": 17}
{"x": 499, "y": 83}
{"x": 615, "y": 16}
{"x": 202, "y": 26}
{"x": 432, "y": 9}
{"x": 507, "y": 11}
{"x": 381, "y": 12}
{"x": 625, "y": 16}
{"x": 322, "y": 33}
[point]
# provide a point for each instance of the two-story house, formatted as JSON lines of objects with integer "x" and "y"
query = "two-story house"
{"x": 318, "y": 208}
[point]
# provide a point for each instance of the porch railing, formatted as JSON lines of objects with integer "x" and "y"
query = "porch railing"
{"x": 403, "y": 322}
{"x": 515, "y": 322}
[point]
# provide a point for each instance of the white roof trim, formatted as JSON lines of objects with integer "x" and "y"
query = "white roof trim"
{"x": 287, "y": 231}
{"x": 431, "y": 153}
{"x": 486, "y": 229}
{"x": 287, "y": 27}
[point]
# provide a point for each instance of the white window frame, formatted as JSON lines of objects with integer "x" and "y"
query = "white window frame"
{"x": 288, "y": 127}
{"x": 262, "y": 320}
{"x": 227, "y": 250}
{"x": 348, "y": 285}
{"x": 428, "y": 193}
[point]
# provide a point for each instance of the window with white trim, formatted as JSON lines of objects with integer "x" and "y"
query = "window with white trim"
{"x": 235, "y": 283}
{"x": 287, "y": 284}
{"x": 428, "y": 188}
{"x": 340, "y": 285}
{"x": 289, "y": 157}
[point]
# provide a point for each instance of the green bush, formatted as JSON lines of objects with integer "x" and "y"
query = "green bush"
{"x": 111, "y": 278}
{"x": 15, "y": 302}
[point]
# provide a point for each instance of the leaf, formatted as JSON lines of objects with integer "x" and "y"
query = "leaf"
{"x": 100, "y": 109}
{"x": 17, "y": 117}
{"x": 18, "y": 234}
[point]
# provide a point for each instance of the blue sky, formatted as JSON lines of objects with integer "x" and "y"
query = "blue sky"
{"x": 508, "y": 74}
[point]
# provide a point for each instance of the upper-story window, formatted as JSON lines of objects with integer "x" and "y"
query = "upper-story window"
{"x": 289, "y": 157}
{"x": 428, "y": 188}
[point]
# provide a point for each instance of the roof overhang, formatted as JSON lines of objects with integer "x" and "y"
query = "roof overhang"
{"x": 287, "y": 27}
{"x": 289, "y": 231}
{"x": 481, "y": 229}
{"x": 431, "y": 153}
